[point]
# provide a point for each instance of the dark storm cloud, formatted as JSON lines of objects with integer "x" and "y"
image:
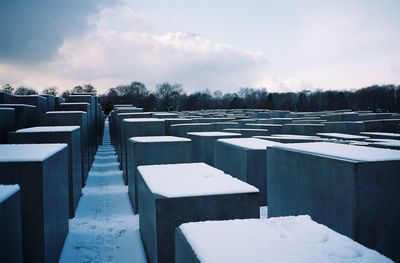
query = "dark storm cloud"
{"x": 32, "y": 30}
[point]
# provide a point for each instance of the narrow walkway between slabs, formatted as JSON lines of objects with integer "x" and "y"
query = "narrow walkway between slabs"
{"x": 104, "y": 228}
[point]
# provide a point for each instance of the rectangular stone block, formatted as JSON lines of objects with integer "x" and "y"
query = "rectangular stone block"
{"x": 384, "y": 125}
{"x": 41, "y": 170}
{"x": 72, "y": 118}
{"x": 51, "y": 102}
{"x": 25, "y": 115}
{"x": 134, "y": 127}
{"x": 245, "y": 159}
{"x": 7, "y": 123}
{"x": 272, "y": 128}
{"x": 203, "y": 144}
{"x": 153, "y": 150}
{"x": 348, "y": 127}
{"x": 5, "y": 98}
{"x": 282, "y": 239}
{"x": 35, "y": 100}
{"x": 182, "y": 130}
{"x": 382, "y": 135}
{"x": 10, "y": 224}
{"x": 351, "y": 189}
{"x": 249, "y": 132}
{"x": 302, "y": 129}
{"x": 342, "y": 136}
{"x": 69, "y": 135}
{"x": 172, "y": 194}
{"x": 220, "y": 126}
{"x": 172, "y": 121}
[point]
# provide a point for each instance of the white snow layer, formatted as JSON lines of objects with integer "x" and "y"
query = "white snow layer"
{"x": 104, "y": 228}
{"x": 343, "y": 151}
{"x": 191, "y": 179}
{"x": 142, "y": 120}
{"x": 342, "y": 136}
{"x": 49, "y": 129}
{"x": 159, "y": 139}
{"x": 213, "y": 133}
{"x": 7, "y": 190}
{"x": 279, "y": 239}
{"x": 249, "y": 143}
{"x": 29, "y": 152}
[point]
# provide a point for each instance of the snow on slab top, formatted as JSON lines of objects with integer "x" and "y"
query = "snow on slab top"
{"x": 249, "y": 143}
{"x": 49, "y": 129}
{"x": 342, "y": 136}
{"x": 389, "y": 134}
{"x": 142, "y": 120}
{"x": 343, "y": 151}
{"x": 278, "y": 239}
{"x": 145, "y": 139}
{"x": 61, "y": 111}
{"x": 7, "y": 190}
{"x": 191, "y": 179}
{"x": 190, "y": 124}
{"x": 17, "y": 105}
{"x": 214, "y": 133}
{"x": 29, "y": 152}
{"x": 295, "y": 136}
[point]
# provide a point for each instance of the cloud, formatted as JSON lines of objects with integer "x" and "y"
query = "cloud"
{"x": 32, "y": 31}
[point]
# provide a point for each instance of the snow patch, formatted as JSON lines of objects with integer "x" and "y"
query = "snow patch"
{"x": 6, "y": 191}
{"x": 29, "y": 152}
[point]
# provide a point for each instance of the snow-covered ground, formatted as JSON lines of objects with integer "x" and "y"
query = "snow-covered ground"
{"x": 104, "y": 228}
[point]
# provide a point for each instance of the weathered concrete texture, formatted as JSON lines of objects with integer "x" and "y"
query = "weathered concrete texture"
{"x": 144, "y": 151}
{"x": 245, "y": 159}
{"x": 181, "y": 130}
{"x": 10, "y": 224}
{"x": 69, "y": 135}
{"x": 133, "y": 127}
{"x": 72, "y": 118}
{"x": 384, "y": 125}
{"x": 172, "y": 121}
{"x": 41, "y": 170}
{"x": 35, "y": 100}
{"x": 203, "y": 144}
{"x": 90, "y": 124}
{"x": 159, "y": 216}
{"x": 249, "y": 132}
{"x": 349, "y": 127}
{"x": 302, "y": 129}
{"x": 25, "y": 115}
{"x": 51, "y": 102}
{"x": 7, "y": 123}
{"x": 354, "y": 194}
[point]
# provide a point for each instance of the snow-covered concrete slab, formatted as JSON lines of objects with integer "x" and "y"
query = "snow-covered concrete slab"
{"x": 342, "y": 136}
{"x": 172, "y": 194}
{"x": 351, "y": 189}
{"x": 69, "y": 135}
{"x": 153, "y": 150}
{"x": 245, "y": 159}
{"x": 203, "y": 144}
{"x": 281, "y": 239}
{"x": 41, "y": 170}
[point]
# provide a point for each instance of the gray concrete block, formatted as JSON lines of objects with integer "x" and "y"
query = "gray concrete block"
{"x": 25, "y": 115}
{"x": 69, "y": 135}
{"x": 170, "y": 195}
{"x": 245, "y": 159}
{"x": 35, "y": 100}
{"x": 348, "y": 127}
{"x": 41, "y": 170}
{"x": 272, "y": 128}
{"x": 302, "y": 129}
{"x": 220, "y": 126}
{"x": 51, "y": 102}
{"x": 351, "y": 189}
{"x": 289, "y": 138}
{"x": 134, "y": 127}
{"x": 72, "y": 118}
{"x": 5, "y": 98}
{"x": 181, "y": 130}
{"x": 10, "y": 224}
{"x": 7, "y": 123}
{"x": 249, "y": 132}
{"x": 153, "y": 150}
{"x": 169, "y": 122}
{"x": 203, "y": 144}
{"x": 382, "y": 135}
{"x": 383, "y": 125}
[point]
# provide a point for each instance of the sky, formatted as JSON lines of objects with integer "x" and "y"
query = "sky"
{"x": 222, "y": 45}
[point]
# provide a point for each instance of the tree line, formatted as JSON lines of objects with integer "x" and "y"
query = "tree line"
{"x": 172, "y": 97}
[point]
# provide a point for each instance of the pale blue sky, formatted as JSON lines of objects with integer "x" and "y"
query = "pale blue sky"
{"x": 281, "y": 45}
